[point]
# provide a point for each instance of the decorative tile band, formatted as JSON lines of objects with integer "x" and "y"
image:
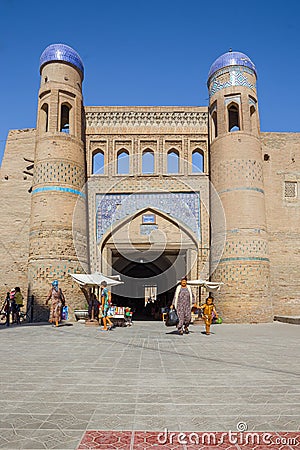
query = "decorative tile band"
{"x": 241, "y": 258}
{"x": 197, "y": 119}
{"x": 58, "y": 189}
{"x": 243, "y": 189}
{"x": 236, "y": 76}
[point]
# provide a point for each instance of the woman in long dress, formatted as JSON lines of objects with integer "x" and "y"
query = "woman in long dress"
{"x": 183, "y": 301}
{"x": 57, "y": 301}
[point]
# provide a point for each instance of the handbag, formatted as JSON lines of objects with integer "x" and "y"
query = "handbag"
{"x": 172, "y": 318}
{"x": 65, "y": 313}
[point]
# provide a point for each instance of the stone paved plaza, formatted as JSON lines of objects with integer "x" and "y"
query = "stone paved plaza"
{"x": 56, "y": 383}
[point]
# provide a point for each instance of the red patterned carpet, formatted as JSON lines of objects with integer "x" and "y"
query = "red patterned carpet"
{"x": 146, "y": 440}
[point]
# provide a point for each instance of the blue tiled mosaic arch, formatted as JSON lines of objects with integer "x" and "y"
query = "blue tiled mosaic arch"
{"x": 183, "y": 206}
{"x": 61, "y": 52}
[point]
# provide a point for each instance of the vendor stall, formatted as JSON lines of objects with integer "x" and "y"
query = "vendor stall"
{"x": 92, "y": 282}
{"x": 95, "y": 279}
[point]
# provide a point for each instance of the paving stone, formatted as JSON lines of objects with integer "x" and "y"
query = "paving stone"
{"x": 143, "y": 379}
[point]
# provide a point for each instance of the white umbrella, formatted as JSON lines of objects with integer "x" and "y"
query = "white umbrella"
{"x": 209, "y": 285}
{"x": 95, "y": 279}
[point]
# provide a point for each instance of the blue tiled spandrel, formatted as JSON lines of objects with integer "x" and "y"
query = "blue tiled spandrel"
{"x": 184, "y": 206}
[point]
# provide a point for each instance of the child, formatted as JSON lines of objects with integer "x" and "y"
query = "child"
{"x": 128, "y": 315}
{"x": 208, "y": 313}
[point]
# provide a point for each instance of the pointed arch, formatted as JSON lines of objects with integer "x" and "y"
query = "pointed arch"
{"x": 98, "y": 162}
{"x": 65, "y": 117}
{"x": 123, "y": 162}
{"x": 45, "y": 117}
{"x": 148, "y": 161}
{"x": 173, "y": 161}
{"x": 198, "y": 161}
{"x": 214, "y": 122}
{"x": 233, "y": 111}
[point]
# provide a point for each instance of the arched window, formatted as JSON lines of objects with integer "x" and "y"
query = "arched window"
{"x": 253, "y": 119}
{"x": 173, "y": 161}
{"x": 233, "y": 117}
{"x": 214, "y": 124}
{"x": 148, "y": 161}
{"x": 45, "y": 117}
{"x": 198, "y": 161}
{"x": 65, "y": 118}
{"x": 98, "y": 162}
{"x": 123, "y": 162}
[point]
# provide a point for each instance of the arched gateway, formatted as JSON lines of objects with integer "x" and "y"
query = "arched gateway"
{"x": 150, "y": 249}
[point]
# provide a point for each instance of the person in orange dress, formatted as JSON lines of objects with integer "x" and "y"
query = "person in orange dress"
{"x": 57, "y": 301}
{"x": 208, "y": 313}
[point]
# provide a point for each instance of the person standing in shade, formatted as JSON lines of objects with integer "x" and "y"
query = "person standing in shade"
{"x": 19, "y": 302}
{"x": 13, "y": 306}
{"x": 57, "y": 301}
{"x": 183, "y": 301}
{"x": 105, "y": 306}
{"x": 7, "y": 308}
{"x": 93, "y": 306}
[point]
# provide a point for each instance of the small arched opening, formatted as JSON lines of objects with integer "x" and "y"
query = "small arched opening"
{"x": 214, "y": 124}
{"x": 122, "y": 162}
{"x": 198, "y": 161}
{"x": 65, "y": 113}
{"x": 233, "y": 117}
{"x": 45, "y": 117}
{"x": 253, "y": 119}
{"x": 98, "y": 163}
{"x": 173, "y": 161}
{"x": 148, "y": 161}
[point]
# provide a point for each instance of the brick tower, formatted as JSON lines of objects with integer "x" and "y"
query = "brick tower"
{"x": 237, "y": 175}
{"x": 59, "y": 180}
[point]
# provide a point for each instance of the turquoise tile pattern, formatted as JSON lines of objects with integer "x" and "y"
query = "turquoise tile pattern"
{"x": 237, "y": 77}
{"x": 58, "y": 189}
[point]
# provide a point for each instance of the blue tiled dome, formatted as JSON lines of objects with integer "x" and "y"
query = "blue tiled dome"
{"x": 61, "y": 52}
{"x": 231, "y": 59}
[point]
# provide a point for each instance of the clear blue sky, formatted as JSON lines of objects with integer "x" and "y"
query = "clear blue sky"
{"x": 156, "y": 52}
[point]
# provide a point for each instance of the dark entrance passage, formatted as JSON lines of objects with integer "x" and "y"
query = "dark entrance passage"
{"x": 149, "y": 282}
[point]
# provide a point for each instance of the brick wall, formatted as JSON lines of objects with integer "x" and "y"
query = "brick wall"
{"x": 15, "y": 185}
{"x": 281, "y": 163}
